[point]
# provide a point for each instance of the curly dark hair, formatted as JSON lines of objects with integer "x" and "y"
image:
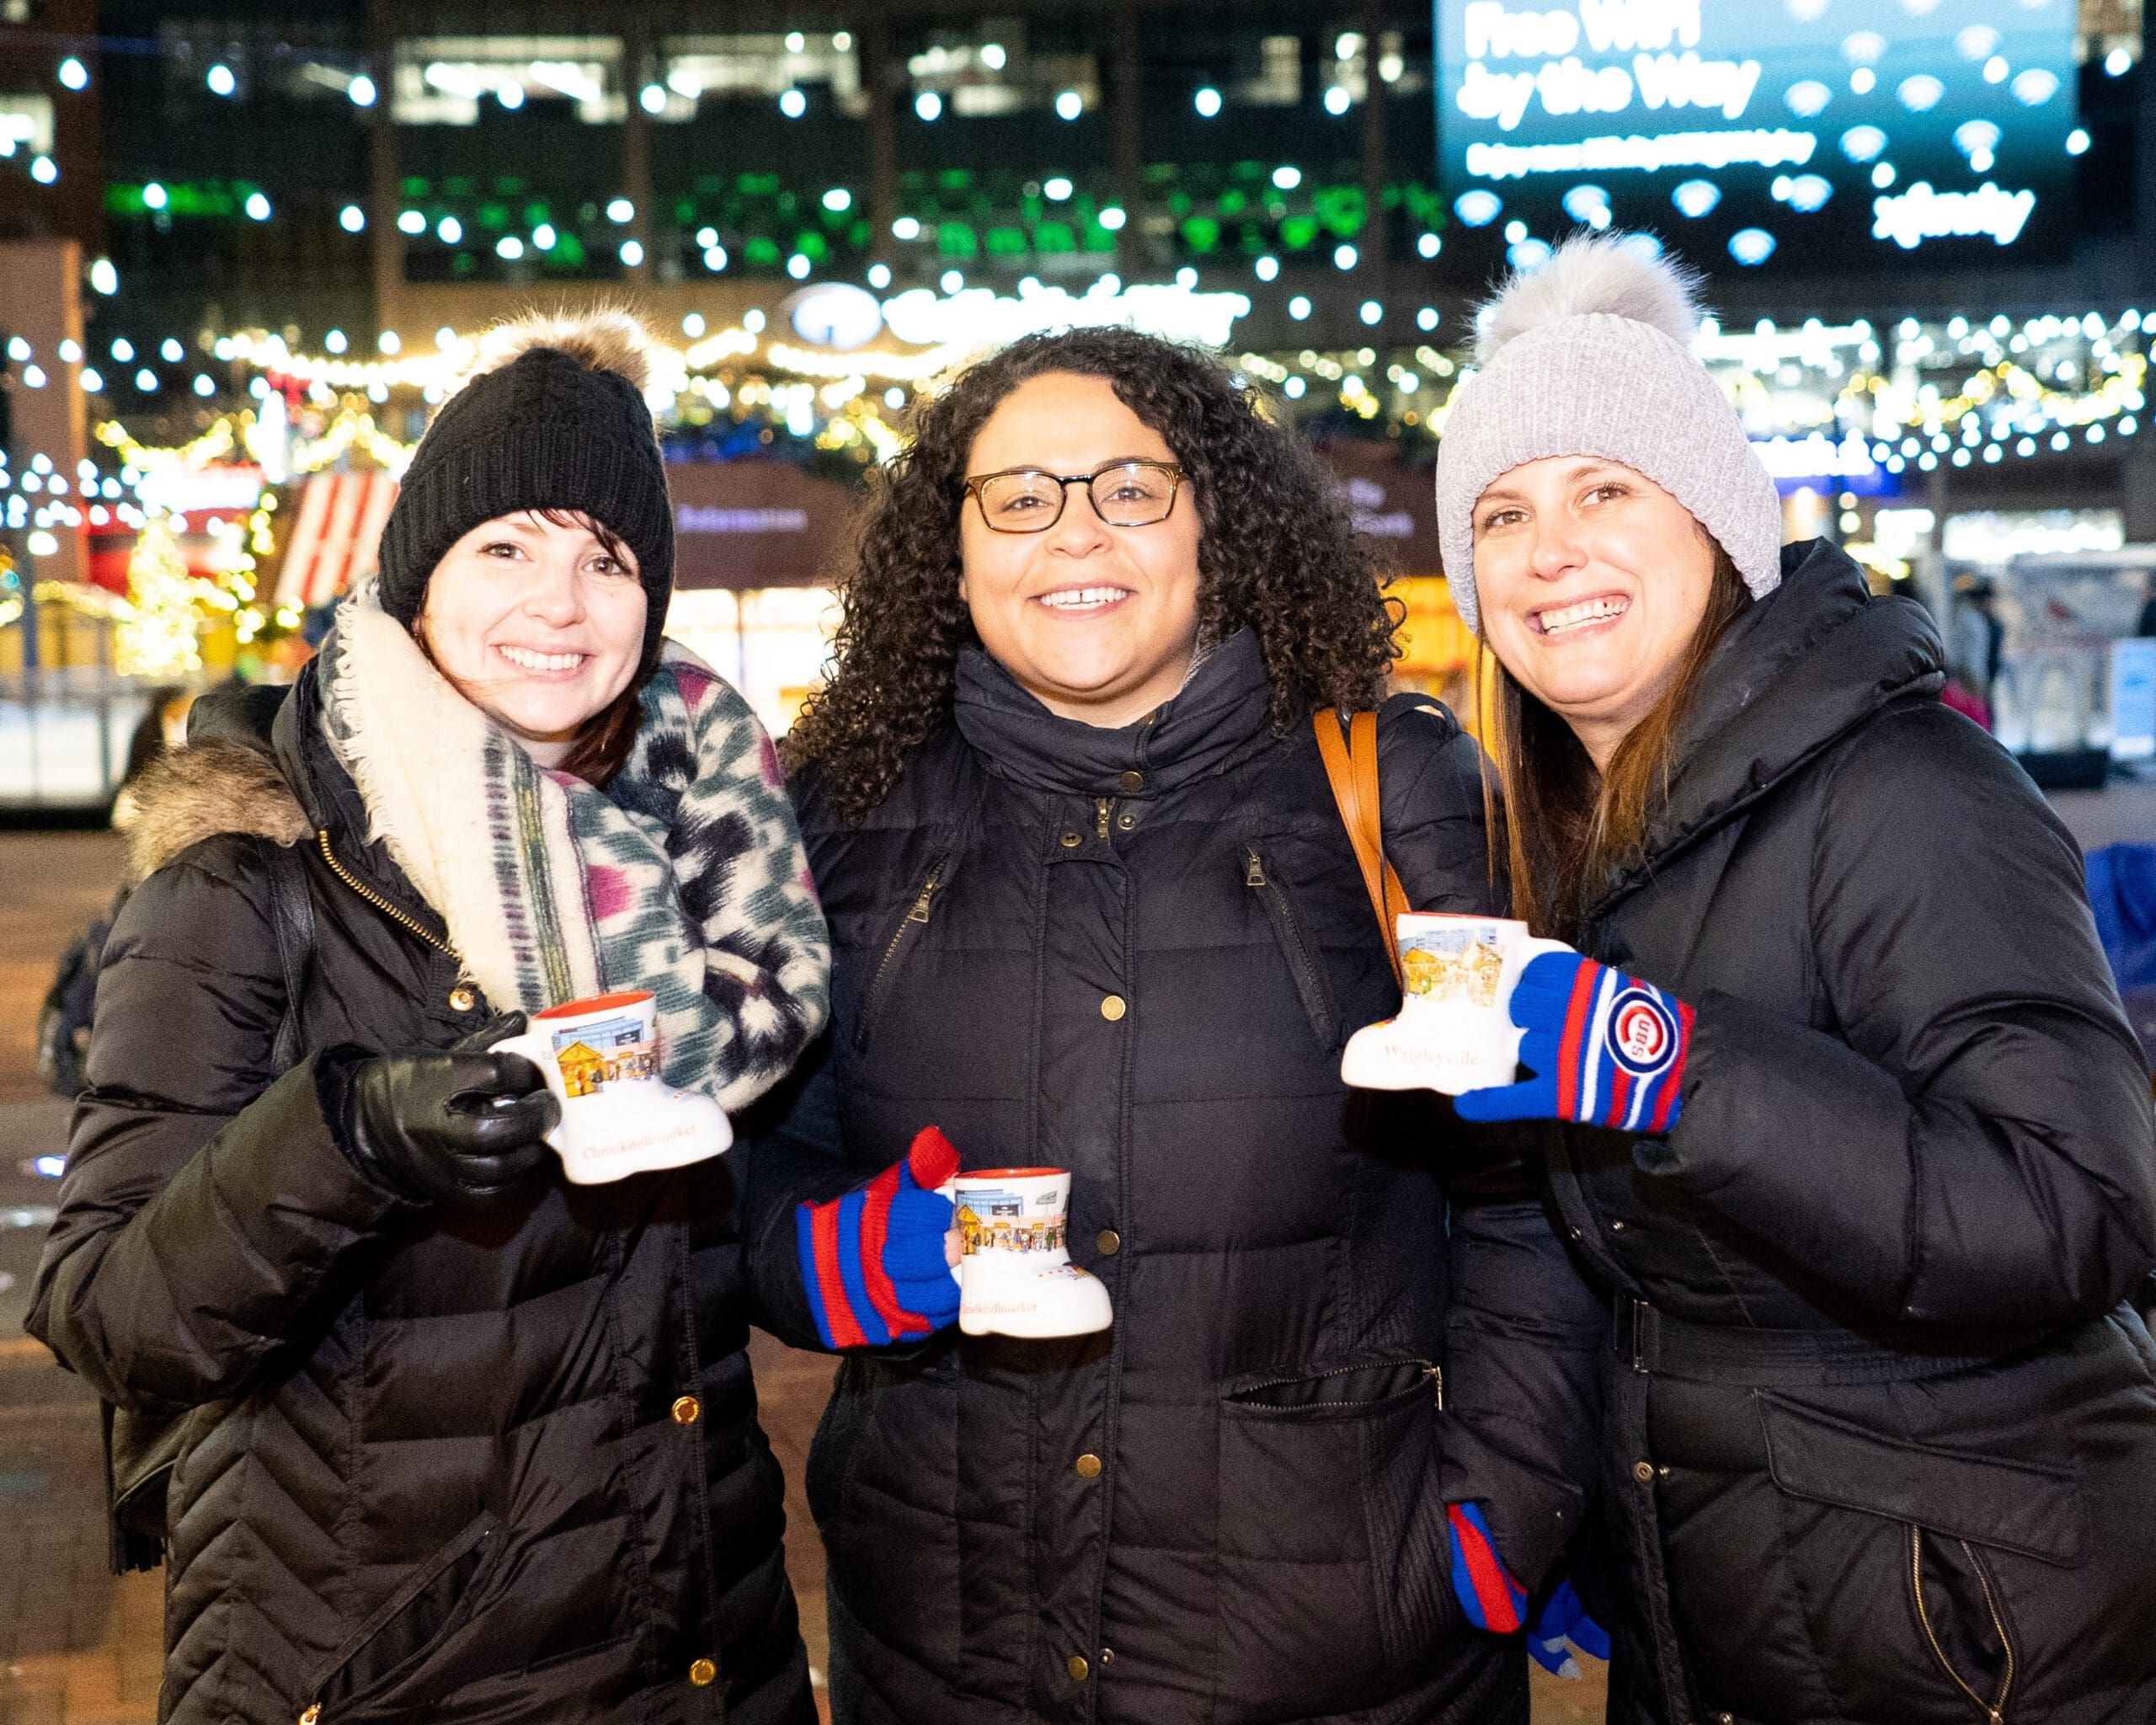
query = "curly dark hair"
{"x": 1275, "y": 554}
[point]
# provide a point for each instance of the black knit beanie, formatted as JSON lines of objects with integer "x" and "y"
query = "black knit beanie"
{"x": 557, "y": 422}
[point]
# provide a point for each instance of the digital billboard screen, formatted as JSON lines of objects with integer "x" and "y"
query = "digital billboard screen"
{"x": 1803, "y": 134}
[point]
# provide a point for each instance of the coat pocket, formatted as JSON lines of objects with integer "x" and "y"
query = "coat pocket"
{"x": 2018, "y": 1506}
{"x": 1305, "y": 963}
{"x": 900, "y": 938}
{"x": 428, "y": 1606}
{"x": 1963, "y": 1517}
{"x": 1332, "y": 1537}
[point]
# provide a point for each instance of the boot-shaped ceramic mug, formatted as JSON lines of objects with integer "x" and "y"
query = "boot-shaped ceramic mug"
{"x": 601, "y": 1058}
{"x": 1015, "y": 1277}
{"x": 1455, "y": 1031}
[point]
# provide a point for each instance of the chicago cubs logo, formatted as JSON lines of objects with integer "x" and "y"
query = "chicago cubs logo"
{"x": 1642, "y": 1035}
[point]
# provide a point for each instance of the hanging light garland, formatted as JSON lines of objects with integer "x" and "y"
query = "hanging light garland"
{"x": 1819, "y": 399}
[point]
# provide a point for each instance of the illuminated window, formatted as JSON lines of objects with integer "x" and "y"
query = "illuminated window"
{"x": 999, "y": 73}
{"x": 768, "y": 67}
{"x": 1279, "y": 80}
{"x": 25, "y": 125}
{"x": 1349, "y": 67}
{"x": 446, "y": 80}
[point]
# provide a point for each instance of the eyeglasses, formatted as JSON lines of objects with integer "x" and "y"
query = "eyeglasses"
{"x": 1030, "y": 500}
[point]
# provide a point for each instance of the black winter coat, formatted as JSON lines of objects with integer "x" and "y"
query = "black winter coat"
{"x": 1137, "y": 953}
{"x": 1883, "y": 1432}
{"x": 435, "y": 1467}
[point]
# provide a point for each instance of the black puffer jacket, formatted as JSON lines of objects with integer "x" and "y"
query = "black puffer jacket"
{"x": 436, "y": 1466}
{"x": 1883, "y": 1433}
{"x": 1137, "y": 953}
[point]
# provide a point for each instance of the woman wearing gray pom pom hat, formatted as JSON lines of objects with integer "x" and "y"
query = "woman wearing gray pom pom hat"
{"x": 1846, "y": 1110}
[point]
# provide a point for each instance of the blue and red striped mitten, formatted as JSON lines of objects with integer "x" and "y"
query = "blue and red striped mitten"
{"x": 872, "y": 1260}
{"x": 1486, "y": 1588}
{"x": 1606, "y": 1049}
{"x": 1563, "y": 1629}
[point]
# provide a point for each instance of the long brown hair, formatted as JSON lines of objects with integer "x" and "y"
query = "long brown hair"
{"x": 1567, "y": 826}
{"x": 599, "y": 747}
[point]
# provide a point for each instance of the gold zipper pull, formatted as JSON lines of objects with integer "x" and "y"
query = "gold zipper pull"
{"x": 920, "y": 912}
{"x": 1254, "y": 872}
{"x": 1102, "y": 805}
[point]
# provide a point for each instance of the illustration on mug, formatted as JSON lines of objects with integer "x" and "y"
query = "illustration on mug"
{"x": 1462, "y": 964}
{"x": 612, "y": 1051}
{"x": 994, "y": 1221}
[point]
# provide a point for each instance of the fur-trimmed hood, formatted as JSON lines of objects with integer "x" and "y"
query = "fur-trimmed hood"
{"x": 196, "y": 792}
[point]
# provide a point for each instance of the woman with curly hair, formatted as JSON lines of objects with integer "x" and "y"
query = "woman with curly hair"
{"x": 1093, "y": 907}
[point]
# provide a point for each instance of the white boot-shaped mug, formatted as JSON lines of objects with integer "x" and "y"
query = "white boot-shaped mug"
{"x": 1015, "y": 1277}
{"x": 1455, "y": 1030}
{"x": 601, "y": 1058}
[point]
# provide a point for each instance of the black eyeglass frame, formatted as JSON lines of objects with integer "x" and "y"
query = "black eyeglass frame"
{"x": 1063, "y": 482}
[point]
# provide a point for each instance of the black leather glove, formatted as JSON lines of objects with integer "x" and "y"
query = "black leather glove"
{"x": 458, "y": 1126}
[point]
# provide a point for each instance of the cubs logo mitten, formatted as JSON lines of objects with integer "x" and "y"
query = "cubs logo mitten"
{"x": 1484, "y": 1588}
{"x": 1606, "y": 1049}
{"x": 872, "y": 1260}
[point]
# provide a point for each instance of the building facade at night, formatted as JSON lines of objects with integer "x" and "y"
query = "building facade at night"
{"x": 1929, "y": 238}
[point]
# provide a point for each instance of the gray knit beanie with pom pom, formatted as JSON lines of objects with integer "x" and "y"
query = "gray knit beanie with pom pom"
{"x": 1591, "y": 355}
{"x": 554, "y": 417}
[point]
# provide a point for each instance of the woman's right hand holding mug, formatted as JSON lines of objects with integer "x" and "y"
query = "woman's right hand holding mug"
{"x": 462, "y": 1126}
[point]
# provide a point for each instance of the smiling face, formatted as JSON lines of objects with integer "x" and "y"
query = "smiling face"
{"x": 538, "y": 624}
{"x": 1098, "y": 624}
{"x": 1592, "y": 582}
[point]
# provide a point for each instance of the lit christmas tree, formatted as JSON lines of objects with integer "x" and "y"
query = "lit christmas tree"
{"x": 157, "y": 638}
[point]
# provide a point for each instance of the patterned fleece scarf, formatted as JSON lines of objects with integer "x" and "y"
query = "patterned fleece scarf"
{"x": 686, "y": 876}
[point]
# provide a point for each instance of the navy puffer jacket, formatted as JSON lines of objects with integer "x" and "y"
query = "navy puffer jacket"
{"x": 1136, "y": 954}
{"x": 429, "y": 1466}
{"x": 1883, "y": 1446}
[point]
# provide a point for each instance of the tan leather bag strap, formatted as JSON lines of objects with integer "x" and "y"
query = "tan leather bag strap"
{"x": 1351, "y": 766}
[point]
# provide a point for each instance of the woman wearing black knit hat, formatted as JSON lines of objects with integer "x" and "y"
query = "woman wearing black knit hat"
{"x": 423, "y": 1432}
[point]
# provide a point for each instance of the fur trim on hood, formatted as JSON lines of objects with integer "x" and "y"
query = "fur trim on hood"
{"x": 190, "y": 794}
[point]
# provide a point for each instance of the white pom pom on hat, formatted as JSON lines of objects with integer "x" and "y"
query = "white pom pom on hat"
{"x": 1590, "y": 354}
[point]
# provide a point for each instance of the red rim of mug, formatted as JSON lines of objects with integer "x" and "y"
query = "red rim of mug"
{"x": 597, "y": 1003}
{"x": 1010, "y": 1173}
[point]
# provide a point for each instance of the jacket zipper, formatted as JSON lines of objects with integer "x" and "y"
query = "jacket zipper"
{"x": 1103, "y": 808}
{"x": 313, "y": 1713}
{"x": 916, "y": 917}
{"x": 1994, "y": 1712}
{"x": 1308, "y": 983}
{"x": 1432, "y": 1375}
{"x": 381, "y": 904}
